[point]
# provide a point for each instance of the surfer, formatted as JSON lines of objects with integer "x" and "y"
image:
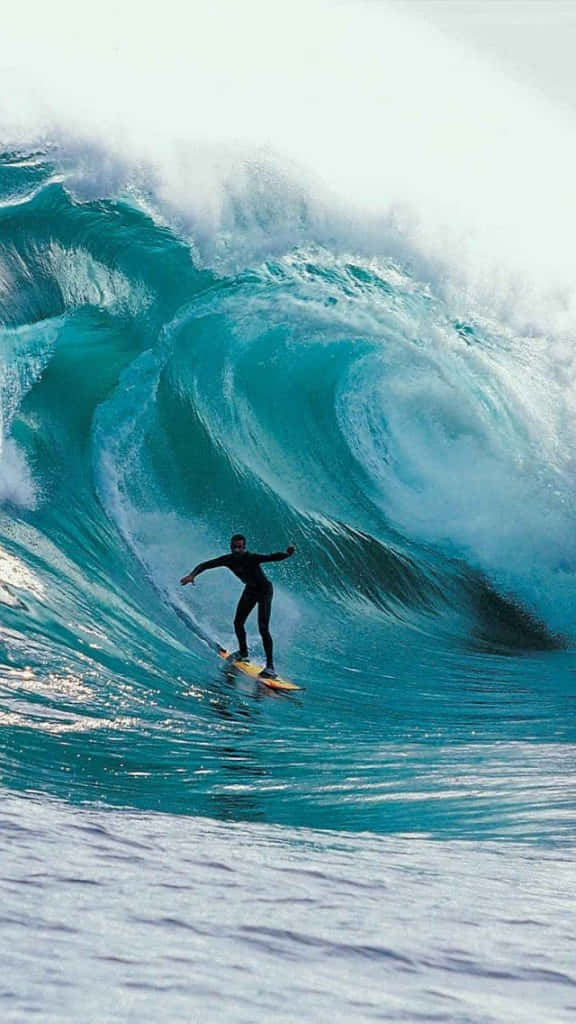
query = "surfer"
{"x": 258, "y": 590}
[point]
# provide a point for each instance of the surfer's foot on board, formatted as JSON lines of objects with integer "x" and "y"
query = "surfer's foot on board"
{"x": 240, "y": 656}
{"x": 268, "y": 672}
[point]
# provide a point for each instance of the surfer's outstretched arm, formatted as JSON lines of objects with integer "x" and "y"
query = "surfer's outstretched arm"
{"x": 212, "y": 563}
{"x": 277, "y": 556}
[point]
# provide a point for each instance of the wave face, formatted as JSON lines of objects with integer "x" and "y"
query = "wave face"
{"x": 157, "y": 398}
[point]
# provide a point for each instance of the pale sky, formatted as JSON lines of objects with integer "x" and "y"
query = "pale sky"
{"x": 533, "y": 39}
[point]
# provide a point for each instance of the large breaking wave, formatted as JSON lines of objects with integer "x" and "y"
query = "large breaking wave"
{"x": 213, "y": 341}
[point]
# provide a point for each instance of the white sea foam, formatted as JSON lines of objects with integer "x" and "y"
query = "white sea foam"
{"x": 24, "y": 352}
{"x": 16, "y": 482}
{"x": 244, "y": 119}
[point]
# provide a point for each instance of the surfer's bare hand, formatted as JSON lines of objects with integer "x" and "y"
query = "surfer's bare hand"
{"x": 290, "y": 549}
{"x": 187, "y": 579}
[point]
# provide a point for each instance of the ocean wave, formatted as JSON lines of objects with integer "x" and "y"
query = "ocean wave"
{"x": 151, "y": 406}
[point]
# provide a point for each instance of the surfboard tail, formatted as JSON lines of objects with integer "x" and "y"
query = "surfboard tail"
{"x": 255, "y": 672}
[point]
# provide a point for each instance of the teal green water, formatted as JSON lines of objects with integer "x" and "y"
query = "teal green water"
{"x": 150, "y": 408}
{"x": 304, "y": 274}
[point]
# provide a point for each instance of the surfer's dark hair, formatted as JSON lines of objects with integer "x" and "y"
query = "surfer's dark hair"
{"x": 237, "y": 537}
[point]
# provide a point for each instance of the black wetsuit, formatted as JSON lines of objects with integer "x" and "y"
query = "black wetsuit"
{"x": 258, "y": 590}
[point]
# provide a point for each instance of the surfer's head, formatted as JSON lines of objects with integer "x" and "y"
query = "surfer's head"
{"x": 238, "y": 543}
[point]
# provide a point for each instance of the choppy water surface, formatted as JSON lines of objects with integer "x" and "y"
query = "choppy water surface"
{"x": 138, "y": 916}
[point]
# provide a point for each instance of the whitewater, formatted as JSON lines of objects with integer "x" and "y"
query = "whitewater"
{"x": 305, "y": 274}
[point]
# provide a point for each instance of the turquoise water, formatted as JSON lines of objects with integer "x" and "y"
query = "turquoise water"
{"x": 420, "y": 460}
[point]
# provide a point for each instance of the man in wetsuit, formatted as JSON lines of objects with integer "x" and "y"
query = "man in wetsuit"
{"x": 258, "y": 590}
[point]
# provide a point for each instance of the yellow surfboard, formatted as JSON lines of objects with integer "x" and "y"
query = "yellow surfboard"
{"x": 254, "y": 672}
